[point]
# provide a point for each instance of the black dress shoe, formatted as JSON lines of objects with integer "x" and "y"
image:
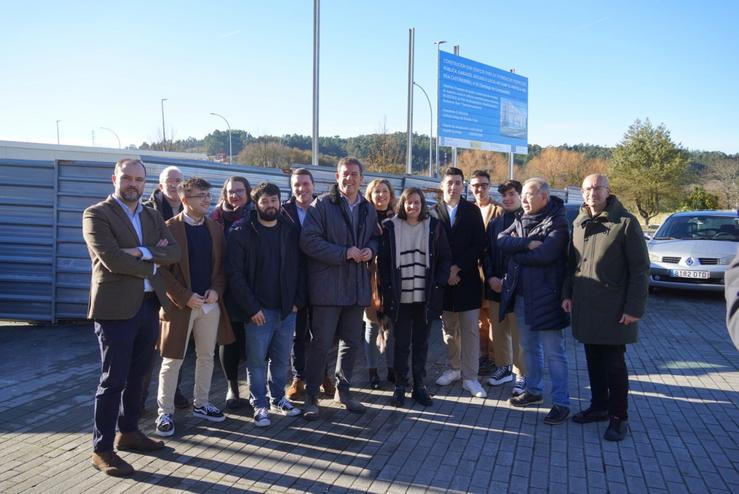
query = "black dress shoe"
{"x": 617, "y": 429}
{"x": 590, "y": 415}
{"x": 421, "y": 396}
{"x": 398, "y": 399}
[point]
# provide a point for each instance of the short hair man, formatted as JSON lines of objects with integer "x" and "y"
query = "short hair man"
{"x": 165, "y": 198}
{"x": 480, "y": 185}
{"x": 463, "y": 295}
{"x": 339, "y": 237}
{"x": 196, "y": 286}
{"x": 606, "y": 291}
{"x": 126, "y": 242}
{"x": 266, "y": 281}
{"x": 536, "y": 244}
{"x": 509, "y": 358}
{"x": 296, "y": 209}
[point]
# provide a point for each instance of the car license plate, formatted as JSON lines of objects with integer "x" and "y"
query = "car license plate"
{"x": 683, "y": 273}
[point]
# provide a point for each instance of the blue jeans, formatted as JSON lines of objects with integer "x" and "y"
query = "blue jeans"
{"x": 371, "y": 352}
{"x": 270, "y": 342}
{"x": 536, "y": 345}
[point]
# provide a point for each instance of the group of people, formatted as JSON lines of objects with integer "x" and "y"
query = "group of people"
{"x": 277, "y": 284}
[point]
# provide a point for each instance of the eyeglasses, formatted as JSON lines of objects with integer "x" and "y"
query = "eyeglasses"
{"x": 597, "y": 188}
{"x": 204, "y": 195}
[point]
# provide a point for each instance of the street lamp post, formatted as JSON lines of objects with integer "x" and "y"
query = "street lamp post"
{"x": 57, "y": 131}
{"x": 431, "y": 130}
{"x": 230, "y": 148}
{"x": 438, "y": 98}
{"x": 114, "y": 133}
{"x": 164, "y": 134}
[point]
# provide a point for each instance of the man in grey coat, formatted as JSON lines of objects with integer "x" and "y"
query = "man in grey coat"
{"x": 339, "y": 236}
{"x": 606, "y": 290}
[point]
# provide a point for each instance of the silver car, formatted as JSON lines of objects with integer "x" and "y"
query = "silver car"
{"x": 693, "y": 249}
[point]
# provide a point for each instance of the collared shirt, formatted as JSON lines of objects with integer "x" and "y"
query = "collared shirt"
{"x": 135, "y": 219}
{"x": 452, "y": 213}
{"x": 301, "y": 213}
{"x": 351, "y": 206}
{"x": 192, "y": 221}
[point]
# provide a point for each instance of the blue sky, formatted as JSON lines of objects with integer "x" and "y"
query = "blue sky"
{"x": 593, "y": 66}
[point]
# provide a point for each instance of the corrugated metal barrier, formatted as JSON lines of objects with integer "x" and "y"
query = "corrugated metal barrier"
{"x": 44, "y": 264}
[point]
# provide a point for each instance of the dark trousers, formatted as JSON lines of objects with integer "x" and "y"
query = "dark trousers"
{"x": 302, "y": 334}
{"x": 231, "y": 354}
{"x": 126, "y": 348}
{"x": 411, "y": 331}
{"x": 609, "y": 378}
{"x": 328, "y": 322}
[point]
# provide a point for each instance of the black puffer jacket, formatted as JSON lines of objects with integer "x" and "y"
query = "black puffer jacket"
{"x": 437, "y": 275}
{"x": 540, "y": 271}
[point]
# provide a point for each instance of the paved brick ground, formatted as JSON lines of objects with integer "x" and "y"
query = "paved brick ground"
{"x": 684, "y": 423}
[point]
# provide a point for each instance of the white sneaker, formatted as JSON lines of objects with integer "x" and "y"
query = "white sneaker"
{"x": 448, "y": 377}
{"x": 261, "y": 417}
{"x": 285, "y": 408}
{"x": 473, "y": 386}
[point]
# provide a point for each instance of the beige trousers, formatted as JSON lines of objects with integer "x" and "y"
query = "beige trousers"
{"x": 462, "y": 339}
{"x": 204, "y": 330}
{"x": 508, "y": 349}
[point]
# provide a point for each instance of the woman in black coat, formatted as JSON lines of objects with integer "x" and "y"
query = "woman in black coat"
{"x": 413, "y": 262}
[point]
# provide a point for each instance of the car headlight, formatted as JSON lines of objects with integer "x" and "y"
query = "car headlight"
{"x": 655, "y": 257}
{"x": 726, "y": 260}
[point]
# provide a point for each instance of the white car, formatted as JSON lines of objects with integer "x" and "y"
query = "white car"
{"x": 693, "y": 249}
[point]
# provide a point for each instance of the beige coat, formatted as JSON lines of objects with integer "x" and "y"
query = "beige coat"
{"x": 175, "y": 320}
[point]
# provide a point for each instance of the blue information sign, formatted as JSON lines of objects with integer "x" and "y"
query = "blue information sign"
{"x": 481, "y": 107}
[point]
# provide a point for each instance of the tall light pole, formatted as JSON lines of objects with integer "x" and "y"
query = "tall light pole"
{"x": 116, "y": 135}
{"x": 411, "y": 52}
{"x": 230, "y": 148}
{"x": 431, "y": 130}
{"x": 57, "y": 131}
{"x": 438, "y": 99}
{"x": 164, "y": 135}
{"x": 316, "y": 64}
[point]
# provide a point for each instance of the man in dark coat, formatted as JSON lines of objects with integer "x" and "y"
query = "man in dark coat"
{"x": 339, "y": 237}
{"x": 606, "y": 292}
{"x": 164, "y": 198}
{"x": 463, "y": 294}
{"x": 536, "y": 244}
{"x": 509, "y": 358}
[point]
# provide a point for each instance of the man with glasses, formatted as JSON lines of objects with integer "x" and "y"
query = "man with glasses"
{"x": 480, "y": 185}
{"x": 128, "y": 245}
{"x": 536, "y": 244}
{"x": 195, "y": 285}
{"x": 606, "y": 291}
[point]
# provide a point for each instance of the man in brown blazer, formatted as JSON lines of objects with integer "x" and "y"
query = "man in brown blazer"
{"x": 195, "y": 286}
{"x": 127, "y": 243}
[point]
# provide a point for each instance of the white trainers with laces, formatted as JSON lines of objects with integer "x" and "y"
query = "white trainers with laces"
{"x": 286, "y": 408}
{"x": 473, "y": 386}
{"x": 261, "y": 417}
{"x": 448, "y": 377}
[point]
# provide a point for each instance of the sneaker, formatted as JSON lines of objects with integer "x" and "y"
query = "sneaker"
{"x": 519, "y": 387}
{"x": 526, "y": 399}
{"x": 590, "y": 415}
{"x": 557, "y": 415}
{"x": 398, "y": 399}
{"x": 209, "y": 412}
{"x": 501, "y": 375}
{"x": 296, "y": 389}
{"x": 285, "y": 408}
{"x": 164, "y": 425}
{"x": 421, "y": 396}
{"x": 448, "y": 377}
{"x": 261, "y": 417}
{"x": 473, "y": 386}
{"x": 617, "y": 429}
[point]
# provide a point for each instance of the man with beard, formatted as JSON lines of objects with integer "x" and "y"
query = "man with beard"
{"x": 339, "y": 236}
{"x": 127, "y": 243}
{"x": 266, "y": 286}
{"x": 536, "y": 244}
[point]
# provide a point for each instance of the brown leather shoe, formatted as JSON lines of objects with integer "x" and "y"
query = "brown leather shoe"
{"x": 111, "y": 464}
{"x": 296, "y": 389}
{"x": 136, "y": 441}
{"x": 328, "y": 386}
